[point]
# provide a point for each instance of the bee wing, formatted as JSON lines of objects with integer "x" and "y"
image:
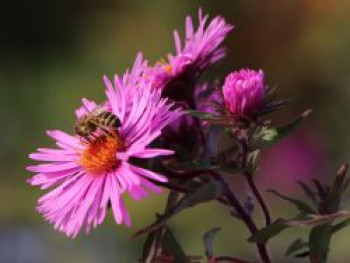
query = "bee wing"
{"x": 99, "y": 109}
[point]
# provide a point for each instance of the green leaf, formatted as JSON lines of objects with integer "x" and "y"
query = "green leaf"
{"x": 273, "y": 135}
{"x": 203, "y": 194}
{"x": 319, "y": 240}
{"x": 315, "y": 220}
{"x": 208, "y": 239}
{"x": 307, "y": 190}
{"x": 297, "y": 245}
{"x": 309, "y": 220}
{"x": 252, "y": 161}
{"x": 340, "y": 225}
{"x": 269, "y": 232}
{"x": 274, "y": 106}
{"x": 302, "y": 254}
{"x": 269, "y": 135}
{"x": 200, "y": 114}
{"x": 210, "y": 118}
{"x": 322, "y": 191}
{"x": 171, "y": 245}
{"x": 303, "y": 207}
{"x": 338, "y": 187}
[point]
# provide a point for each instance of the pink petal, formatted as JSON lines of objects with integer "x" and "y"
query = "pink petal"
{"x": 50, "y": 168}
{"x": 148, "y": 173}
{"x": 64, "y": 138}
{"x": 51, "y": 157}
{"x": 149, "y": 153}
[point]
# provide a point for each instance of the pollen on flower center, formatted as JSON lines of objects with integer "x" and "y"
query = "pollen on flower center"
{"x": 100, "y": 155}
{"x": 168, "y": 68}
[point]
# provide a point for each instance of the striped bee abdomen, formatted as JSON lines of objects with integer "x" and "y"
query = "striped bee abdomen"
{"x": 107, "y": 118}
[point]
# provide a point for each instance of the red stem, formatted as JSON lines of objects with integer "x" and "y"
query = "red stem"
{"x": 251, "y": 183}
{"x": 246, "y": 219}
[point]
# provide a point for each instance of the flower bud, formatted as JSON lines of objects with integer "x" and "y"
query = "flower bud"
{"x": 244, "y": 93}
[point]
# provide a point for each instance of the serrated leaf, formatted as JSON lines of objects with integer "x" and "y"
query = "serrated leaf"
{"x": 203, "y": 194}
{"x": 301, "y": 206}
{"x": 297, "y": 245}
{"x": 171, "y": 245}
{"x": 208, "y": 239}
{"x": 273, "y": 135}
{"x": 269, "y": 232}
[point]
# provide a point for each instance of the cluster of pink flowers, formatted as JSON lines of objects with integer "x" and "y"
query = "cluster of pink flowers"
{"x": 88, "y": 176}
{"x": 200, "y": 50}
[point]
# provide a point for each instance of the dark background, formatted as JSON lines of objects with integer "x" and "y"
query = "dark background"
{"x": 52, "y": 53}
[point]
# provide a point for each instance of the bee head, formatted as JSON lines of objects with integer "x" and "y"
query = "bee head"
{"x": 84, "y": 128}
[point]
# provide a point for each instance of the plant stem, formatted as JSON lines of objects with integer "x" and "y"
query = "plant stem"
{"x": 258, "y": 196}
{"x": 246, "y": 219}
{"x": 249, "y": 177}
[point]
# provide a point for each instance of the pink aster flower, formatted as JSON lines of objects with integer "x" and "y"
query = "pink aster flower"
{"x": 200, "y": 49}
{"x": 88, "y": 176}
{"x": 244, "y": 93}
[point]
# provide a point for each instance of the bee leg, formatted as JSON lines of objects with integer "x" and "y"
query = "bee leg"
{"x": 94, "y": 136}
{"x": 86, "y": 139}
{"x": 106, "y": 131}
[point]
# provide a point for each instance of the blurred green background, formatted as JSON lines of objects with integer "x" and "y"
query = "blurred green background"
{"x": 55, "y": 52}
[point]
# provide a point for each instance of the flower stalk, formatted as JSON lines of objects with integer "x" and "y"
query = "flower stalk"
{"x": 247, "y": 219}
{"x": 250, "y": 180}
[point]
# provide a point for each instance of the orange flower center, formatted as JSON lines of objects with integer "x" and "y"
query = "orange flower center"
{"x": 166, "y": 66}
{"x": 100, "y": 155}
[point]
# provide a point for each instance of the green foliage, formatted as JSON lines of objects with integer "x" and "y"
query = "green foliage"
{"x": 269, "y": 232}
{"x": 171, "y": 245}
{"x": 270, "y": 136}
{"x": 302, "y": 206}
{"x": 327, "y": 201}
{"x": 205, "y": 193}
{"x": 319, "y": 241}
{"x": 296, "y": 246}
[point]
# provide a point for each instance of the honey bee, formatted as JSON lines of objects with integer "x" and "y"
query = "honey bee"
{"x": 99, "y": 118}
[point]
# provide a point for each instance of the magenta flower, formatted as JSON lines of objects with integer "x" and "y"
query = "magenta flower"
{"x": 201, "y": 49}
{"x": 244, "y": 93}
{"x": 88, "y": 176}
